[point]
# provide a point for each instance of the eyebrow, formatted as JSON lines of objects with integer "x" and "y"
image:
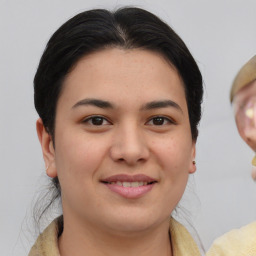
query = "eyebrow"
{"x": 161, "y": 104}
{"x": 148, "y": 106}
{"x": 94, "y": 102}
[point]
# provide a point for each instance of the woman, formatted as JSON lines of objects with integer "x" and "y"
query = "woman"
{"x": 242, "y": 241}
{"x": 119, "y": 99}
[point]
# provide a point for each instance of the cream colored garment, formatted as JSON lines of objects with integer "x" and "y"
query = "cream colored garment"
{"x": 47, "y": 243}
{"x": 182, "y": 242}
{"x": 238, "y": 242}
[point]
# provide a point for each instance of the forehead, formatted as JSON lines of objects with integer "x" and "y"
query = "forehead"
{"x": 117, "y": 74}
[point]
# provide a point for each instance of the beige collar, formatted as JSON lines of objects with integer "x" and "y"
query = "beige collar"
{"x": 47, "y": 243}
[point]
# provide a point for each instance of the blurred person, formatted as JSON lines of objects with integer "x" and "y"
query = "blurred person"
{"x": 242, "y": 242}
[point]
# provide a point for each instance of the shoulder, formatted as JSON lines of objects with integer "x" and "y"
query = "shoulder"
{"x": 236, "y": 242}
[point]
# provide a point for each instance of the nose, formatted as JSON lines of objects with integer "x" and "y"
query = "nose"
{"x": 129, "y": 146}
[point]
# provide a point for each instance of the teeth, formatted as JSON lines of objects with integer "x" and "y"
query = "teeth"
{"x": 127, "y": 184}
{"x": 135, "y": 184}
{"x": 119, "y": 183}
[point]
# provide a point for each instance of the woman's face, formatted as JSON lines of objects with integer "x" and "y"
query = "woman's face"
{"x": 123, "y": 147}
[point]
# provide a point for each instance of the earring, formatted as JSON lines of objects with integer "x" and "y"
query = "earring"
{"x": 47, "y": 168}
{"x": 194, "y": 162}
{"x": 254, "y": 168}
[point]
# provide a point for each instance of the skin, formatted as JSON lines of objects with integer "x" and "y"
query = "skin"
{"x": 129, "y": 140}
{"x": 245, "y": 114}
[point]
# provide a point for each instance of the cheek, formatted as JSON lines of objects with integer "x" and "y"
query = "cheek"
{"x": 174, "y": 156}
{"x": 174, "y": 153}
{"x": 78, "y": 156}
{"x": 174, "y": 160}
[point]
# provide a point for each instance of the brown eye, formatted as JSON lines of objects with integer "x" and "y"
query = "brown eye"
{"x": 96, "y": 120}
{"x": 159, "y": 121}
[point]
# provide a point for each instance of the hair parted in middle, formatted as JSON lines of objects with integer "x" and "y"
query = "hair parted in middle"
{"x": 126, "y": 28}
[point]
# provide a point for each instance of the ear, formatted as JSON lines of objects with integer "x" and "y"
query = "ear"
{"x": 192, "y": 167}
{"x": 47, "y": 148}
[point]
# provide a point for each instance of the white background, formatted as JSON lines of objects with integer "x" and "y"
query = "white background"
{"x": 221, "y": 36}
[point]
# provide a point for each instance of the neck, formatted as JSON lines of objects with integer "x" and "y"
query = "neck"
{"x": 78, "y": 240}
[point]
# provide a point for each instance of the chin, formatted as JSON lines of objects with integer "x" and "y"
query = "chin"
{"x": 135, "y": 222}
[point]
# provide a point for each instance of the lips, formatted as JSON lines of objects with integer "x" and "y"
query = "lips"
{"x": 130, "y": 186}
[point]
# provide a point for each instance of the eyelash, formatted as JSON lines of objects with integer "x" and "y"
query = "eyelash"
{"x": 90, "y": 120}
{"x": 163, "y": 120}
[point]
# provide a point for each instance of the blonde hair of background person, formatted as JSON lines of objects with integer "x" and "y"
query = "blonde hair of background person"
{"x": 119, "y": 100}
{"x": 242, "y": 241}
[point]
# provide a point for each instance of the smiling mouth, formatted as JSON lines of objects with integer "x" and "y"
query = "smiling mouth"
{"x": 128, "y": 184}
